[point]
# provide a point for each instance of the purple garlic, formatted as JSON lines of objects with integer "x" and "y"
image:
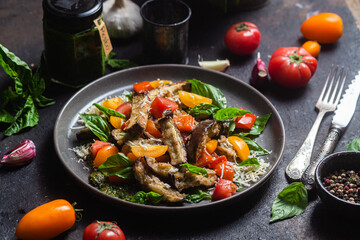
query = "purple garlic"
{"x": 20, "y": 155}
{"x": 259, "y": 75}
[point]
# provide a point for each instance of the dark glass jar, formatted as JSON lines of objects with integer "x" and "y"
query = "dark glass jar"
{"x": 73, "y": 54}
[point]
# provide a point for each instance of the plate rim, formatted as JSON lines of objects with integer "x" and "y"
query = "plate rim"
{"x": 174, "y": 209}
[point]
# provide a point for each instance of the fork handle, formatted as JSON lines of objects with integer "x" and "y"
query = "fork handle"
{"x": 308, "y": 178}
{"x": 301, "y": 161}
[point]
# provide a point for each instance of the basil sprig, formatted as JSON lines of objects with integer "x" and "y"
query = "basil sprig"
{"x": 209, "y": 91}
{"x": 229, "y": 113}
{"x": 250, "y": 162}
{"x": 118, "y": 165}
{"x": 354, "y": 145}
{"x": 291, "y": 201}
{"x": 142, "y": 197}
{"x": 18, "y": 106}
{"x": 203, "y": 110}
{"x": 98, "y": 125}
{"x": 194, "y": 169}
{"x": 109, "y": 112}
{"x": 197, "y": 195}
{"x": 254, "y": 147}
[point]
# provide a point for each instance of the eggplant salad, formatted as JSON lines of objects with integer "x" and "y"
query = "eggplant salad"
{"x": 170, "y": 143}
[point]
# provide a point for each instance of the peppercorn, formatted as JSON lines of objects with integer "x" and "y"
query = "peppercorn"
{"x": 344, "y": 184}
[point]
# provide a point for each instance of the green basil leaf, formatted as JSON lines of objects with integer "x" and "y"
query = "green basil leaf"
{"x": 197, "y": 195}
{"x": 144, "y": 198}
{"x": 37, "y": 87}
{"x": 118, "y": 63}
{"x": 229, "y": 113}
{"x": 203, "y": 110}
{"x": 127, "y": 96}
{"x": 194, "y": 169}
{"x": 239, "y": 187}
{"x": 43, "y": 101}
{"x": 254, "y": 147}
{"x": 291, "y": 201}
{"x": 98, "y": 125}
{"x": 118, "y": 165}
{"x": 109, "y": 112}
{"x": 354, "y": 145}
{"x": 250, "y": 162}
{"x": 5, "y": 116}
{"x": 27, "y": 116}
{"x": 17, "y": 69}
{"x": 209, "y": 91}
{"x": 259, "y": 125}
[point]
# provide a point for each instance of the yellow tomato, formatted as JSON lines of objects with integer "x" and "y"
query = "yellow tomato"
{"x": 112, "y": 103}
{"x": 149, "y": 150}
{"x": 192, "y": 99}
{"x": 323, "y": 27}
{"x": 104, "y": 153}
{"x": 312, "y": 47}
{"x": 211, "y": 146}
{"x": 241, "y": 148}
{"x": 157, "y": 83}
{"x": 116, "y": 122}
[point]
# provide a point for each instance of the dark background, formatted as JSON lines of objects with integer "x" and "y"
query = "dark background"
{"x": 45, "y": 179}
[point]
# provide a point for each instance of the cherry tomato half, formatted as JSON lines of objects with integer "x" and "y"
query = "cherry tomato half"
{"x": 242, "y": 38}
{"x": 224, "y": 189}
{"x": 160, "y": 104}
{"x": 292, "y": 67}
{"x": 101, "y": 230}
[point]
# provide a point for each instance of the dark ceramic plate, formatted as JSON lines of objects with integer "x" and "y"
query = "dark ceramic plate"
{"x": 238, "y": 94}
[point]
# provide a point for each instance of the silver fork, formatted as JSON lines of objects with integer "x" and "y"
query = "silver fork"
{"x": 327, "y": 102}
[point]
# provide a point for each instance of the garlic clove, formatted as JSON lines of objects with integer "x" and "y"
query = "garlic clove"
{"x": 259, "y": 75}
{"x": 20, "y": 155}
{"x": 217, "y": 65}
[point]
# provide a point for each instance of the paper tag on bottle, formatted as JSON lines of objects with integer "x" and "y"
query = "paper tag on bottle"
{"x": 104, "y": 36}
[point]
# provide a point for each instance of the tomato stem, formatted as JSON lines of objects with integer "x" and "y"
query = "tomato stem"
{"x": 241, "y": 27}
{"x": 295, "y": 58}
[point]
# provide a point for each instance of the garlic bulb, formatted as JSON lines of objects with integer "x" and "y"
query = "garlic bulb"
{"x": 20, "y": 155}
{"x": 122, "y": 18}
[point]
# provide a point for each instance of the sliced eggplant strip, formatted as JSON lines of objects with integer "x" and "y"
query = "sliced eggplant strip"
{"x": 151, "y": 182}
{"x": 139, "y": 114}
{"x": 168, "y": 90}
{"x": 171, "y": 137}
{"x": 162, "y": 169}
{"x": 119, "y": 135}
{"x": 202, "y": 133}
{"x": 186, "y": 180}
{"x": 225, "y": 148}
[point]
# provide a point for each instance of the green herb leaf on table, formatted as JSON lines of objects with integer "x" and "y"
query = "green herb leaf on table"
{"x": 118, "y": 165}
{"x": 18, "y": 108}
{"x": 229, "y": 113}
{"x": 291, "y": 201}
{"x": 109, "y": 112}
{"x": 250, "y": 162}
{"x": 197, "y": 195}
{"x": 209, "y": 91}
{"x": 142, "y": 197}
{"x": 98, "y": 125}
{"x": 118, "y": 63}
{"x": 354, "y": 145}
{"x": 194, "y": 169}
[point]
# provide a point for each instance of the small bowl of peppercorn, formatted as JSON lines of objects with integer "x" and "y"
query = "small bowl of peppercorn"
{"x": 337, "y": 180}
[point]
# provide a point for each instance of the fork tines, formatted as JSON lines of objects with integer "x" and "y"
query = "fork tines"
{"x": 335, "y": 96}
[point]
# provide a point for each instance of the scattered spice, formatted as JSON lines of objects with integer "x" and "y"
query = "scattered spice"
{"x": 344, "y": 184}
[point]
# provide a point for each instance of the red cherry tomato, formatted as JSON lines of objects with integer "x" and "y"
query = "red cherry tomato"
{"x": 216, "y": 161}
{"x": 242, "y": 38}
{"x": 124, "y": 108}
{"x": 225, "y": 170}
{"x": 142, "y": 87}
{"x": 160, "y": 104}
{"x": 246, "y": 121}
{"x": 224, "y": 189}
{"x": 97, "y": 145}
{"x": 101, "y": 230}
{"x": 184, "y": 123}
{"x": 292, "y": 67}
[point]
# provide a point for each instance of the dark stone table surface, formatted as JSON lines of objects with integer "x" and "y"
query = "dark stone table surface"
{"x": 45, "y": 179}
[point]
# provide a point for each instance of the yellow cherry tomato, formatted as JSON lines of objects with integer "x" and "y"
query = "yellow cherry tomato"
{"x": 149, "y": 150}
{"x": 323, "y": 27}
{"x": 112, "y": 103}
{"x": 103, "y": 154}
{"x": 312, "y": 47}
{"x": 192, "y": 99}
{"x": 157, "y": 83}
{"x": 116, "y": 122}
{"x": 241, "y": 148}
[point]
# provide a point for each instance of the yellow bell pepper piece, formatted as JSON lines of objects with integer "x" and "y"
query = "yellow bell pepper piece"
{"x": 149, "y": 150}
{"x": 192, "y": 99}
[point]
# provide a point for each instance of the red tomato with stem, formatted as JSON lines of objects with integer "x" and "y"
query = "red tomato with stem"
{"x": 224, "y": 189}
{"x": 125, "y": 108}
{"x": 160, "y": 104}
{"x": 97, "y": 145}
{"x": 242, "y": 38}
{"x": 292, "y": 67}
{"x": 246, "y": 121}
{"x": 101, "y": 230}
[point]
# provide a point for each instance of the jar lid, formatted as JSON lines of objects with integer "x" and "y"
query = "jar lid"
{"x": 72, "y": 11}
